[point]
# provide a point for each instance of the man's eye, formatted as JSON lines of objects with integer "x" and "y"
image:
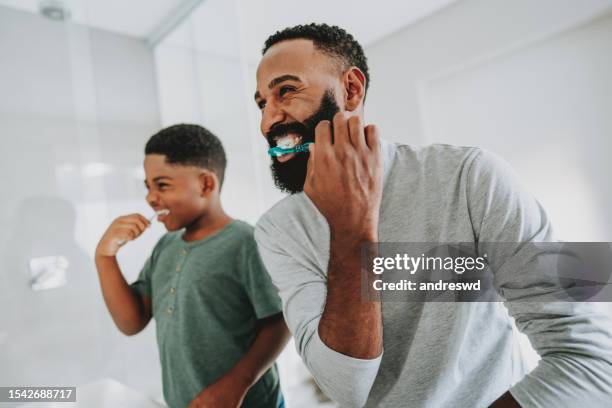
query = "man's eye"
{"x": 283, "y": 90}
{"x": 261, "y": 104}
{"x": 162, "y": 186}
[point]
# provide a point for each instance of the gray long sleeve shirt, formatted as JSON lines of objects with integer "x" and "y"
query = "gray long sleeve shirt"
{"x": 443, "y": 354}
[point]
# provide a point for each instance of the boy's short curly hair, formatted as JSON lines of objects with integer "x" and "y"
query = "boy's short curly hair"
{"x": 332, "y": 40}
{"x": 190, "y": 145}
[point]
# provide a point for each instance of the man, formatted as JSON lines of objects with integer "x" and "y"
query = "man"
{"x": 354, "y": 188}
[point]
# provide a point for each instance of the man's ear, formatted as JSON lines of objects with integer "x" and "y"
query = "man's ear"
{"x": 208, "y": 182}
{"x": 354, "y": 88}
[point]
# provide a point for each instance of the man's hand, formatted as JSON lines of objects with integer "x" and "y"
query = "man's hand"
{"x": 344, "y": 181}
{"x": 344, "y": 178}
{"x": 227, "y": 392}
{"x": 121, "y": 230}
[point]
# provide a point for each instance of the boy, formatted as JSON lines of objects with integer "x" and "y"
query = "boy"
{"x": 218, "y": 316}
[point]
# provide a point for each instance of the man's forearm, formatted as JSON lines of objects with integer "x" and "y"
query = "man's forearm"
{"x": 272, "y": 336}
{"x": 349, "y": 325}
{"x": 125, "y": 306}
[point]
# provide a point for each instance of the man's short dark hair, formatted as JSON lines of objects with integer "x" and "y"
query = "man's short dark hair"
{"x": 189, "y": 145}
{"x": 332, "y": 40}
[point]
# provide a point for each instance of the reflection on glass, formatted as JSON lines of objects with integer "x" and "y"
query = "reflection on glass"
{"x": 48, "y": 272}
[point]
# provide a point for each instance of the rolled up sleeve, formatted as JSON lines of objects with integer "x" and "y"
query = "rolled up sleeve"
{"x": 303, "y": 289}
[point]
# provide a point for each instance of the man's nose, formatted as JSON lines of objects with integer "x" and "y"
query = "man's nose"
{"x": 272, "y": 114}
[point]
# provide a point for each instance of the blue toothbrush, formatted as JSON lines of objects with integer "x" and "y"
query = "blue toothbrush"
{"x": 279, "y": 151}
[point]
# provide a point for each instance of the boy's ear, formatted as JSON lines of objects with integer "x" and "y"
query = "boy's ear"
{"x": 354, "y": 88}
{"x": 208, "y": 182}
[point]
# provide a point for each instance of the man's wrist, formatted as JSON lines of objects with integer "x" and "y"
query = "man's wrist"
{"x": 352, "y": 239}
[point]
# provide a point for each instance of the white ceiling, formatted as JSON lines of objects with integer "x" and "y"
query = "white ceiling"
{"x": 239, "y": 27}
{"x": 137, "y": 18}
{"x": 214, "y": 28}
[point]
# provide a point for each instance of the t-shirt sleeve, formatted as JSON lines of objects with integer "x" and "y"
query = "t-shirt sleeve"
{"x": 142, "y": 284}
{"x": 257, "y": 283}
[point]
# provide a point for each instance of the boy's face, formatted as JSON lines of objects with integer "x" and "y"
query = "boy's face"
{"x": 183, "y": 190}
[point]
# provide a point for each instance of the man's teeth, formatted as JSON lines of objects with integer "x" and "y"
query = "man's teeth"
{"x": 288, "y": 141}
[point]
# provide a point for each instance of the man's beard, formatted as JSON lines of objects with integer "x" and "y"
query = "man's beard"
{"x": 290, "y": 176}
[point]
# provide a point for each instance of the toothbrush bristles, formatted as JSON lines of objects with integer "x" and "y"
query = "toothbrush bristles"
{"x": 160, "y": 212}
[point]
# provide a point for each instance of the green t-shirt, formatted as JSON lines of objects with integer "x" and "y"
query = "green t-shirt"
{"x": 207, "y": 296}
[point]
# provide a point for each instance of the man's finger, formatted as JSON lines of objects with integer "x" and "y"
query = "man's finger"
{"x": 341, "y": 131}
{"x": 310, "y": 166}
{"x": 372, "y": 138}
{"x": 357, "y": 134}
{"x": 323, "y": 134}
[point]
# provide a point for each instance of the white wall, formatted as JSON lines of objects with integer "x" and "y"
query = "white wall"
{"x": 202, "y": 78}
{"x": 76, "y": 107}
{"x": 546, "y": 109}
{"x": 527, "y": 80}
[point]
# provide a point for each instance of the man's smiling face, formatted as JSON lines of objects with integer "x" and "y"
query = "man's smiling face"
{"x": 296, "y": 89}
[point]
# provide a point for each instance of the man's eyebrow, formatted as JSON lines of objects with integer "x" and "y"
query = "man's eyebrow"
{"x": 283, "y": 78}
{"x": 278, "y": 80}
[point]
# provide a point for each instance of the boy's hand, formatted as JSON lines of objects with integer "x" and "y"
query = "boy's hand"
{"x": 121, "y": 230}
{"x": 227, "y": 392}
{"x": 344, "y": 178}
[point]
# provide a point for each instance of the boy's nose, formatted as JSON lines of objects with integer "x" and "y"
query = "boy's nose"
{"x": 152, "y": 199}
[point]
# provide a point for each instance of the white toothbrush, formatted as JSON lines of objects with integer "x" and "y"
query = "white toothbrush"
{"x": 165, "y": 211}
